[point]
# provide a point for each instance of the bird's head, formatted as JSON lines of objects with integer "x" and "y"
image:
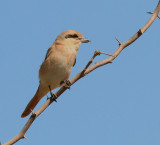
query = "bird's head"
{"x": 72, "y": 37}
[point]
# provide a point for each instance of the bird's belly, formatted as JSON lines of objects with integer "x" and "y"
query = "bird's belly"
{"x": 52, "y": 74}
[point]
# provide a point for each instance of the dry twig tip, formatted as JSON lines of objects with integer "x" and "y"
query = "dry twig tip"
{"x": 25, "y": 137}
{"x": 118, "y": 41}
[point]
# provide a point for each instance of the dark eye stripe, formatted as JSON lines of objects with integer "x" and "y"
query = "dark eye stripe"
{"x": 72, "y": 36}
{"x": 75, "y": 36}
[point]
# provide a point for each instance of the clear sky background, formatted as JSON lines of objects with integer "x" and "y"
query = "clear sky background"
{"x": 117, "y": 104}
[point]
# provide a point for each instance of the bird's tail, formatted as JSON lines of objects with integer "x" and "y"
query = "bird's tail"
{"x": 34, "y": 101}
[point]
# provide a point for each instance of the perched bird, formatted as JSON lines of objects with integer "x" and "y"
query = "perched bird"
{"x": 57, "y": 66}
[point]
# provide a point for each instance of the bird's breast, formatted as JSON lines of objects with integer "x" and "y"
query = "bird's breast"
{"x": 57, "y": 67}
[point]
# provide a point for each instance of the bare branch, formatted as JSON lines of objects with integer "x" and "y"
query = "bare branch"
{"x": 118, "y": 41}
{"x": 84, "y": 72}
{"x": 152, "y": 13}
{"x": 90, "y": 61}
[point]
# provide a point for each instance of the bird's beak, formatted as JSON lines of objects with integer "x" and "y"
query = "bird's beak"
{"x": 84, "y": 40}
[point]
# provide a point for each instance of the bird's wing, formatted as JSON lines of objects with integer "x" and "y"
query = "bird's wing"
{"x": 48, "y": 52}
{"x": 74, "y": 62}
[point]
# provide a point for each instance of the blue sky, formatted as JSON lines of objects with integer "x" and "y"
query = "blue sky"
{"x": 117, "y": 104}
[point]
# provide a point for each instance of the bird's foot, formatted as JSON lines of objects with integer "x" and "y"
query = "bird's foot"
{"x": 53, "y": 96}
{"x": 67, "y": 84}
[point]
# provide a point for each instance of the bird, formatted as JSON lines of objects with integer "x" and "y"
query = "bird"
{"x": 57, "y": 65}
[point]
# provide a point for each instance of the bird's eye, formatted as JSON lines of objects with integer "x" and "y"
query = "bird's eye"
{"x": 72, "y": 36}
{"x": 75, "y": 36}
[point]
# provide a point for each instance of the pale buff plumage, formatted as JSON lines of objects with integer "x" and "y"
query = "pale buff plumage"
{"x": 57, "y": 66}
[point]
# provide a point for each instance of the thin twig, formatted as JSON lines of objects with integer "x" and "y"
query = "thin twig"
{"x": 93, "y": 57}
{"x": 105, "y": 53}
{"x": 26, "y": 138}
{"x": 118, "y": 41}
{"x": 90, "y": 61}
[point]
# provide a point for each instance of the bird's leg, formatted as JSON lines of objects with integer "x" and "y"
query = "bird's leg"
{"x": 67, "y": 84}
{"x": 53, "y": 96}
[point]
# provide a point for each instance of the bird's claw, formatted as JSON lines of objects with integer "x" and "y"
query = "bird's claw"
{"x": 67, "y": 84}
{"x": 53, "y": 96}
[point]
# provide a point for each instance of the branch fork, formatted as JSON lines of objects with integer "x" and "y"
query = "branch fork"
{"x": 152, "y": 13}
